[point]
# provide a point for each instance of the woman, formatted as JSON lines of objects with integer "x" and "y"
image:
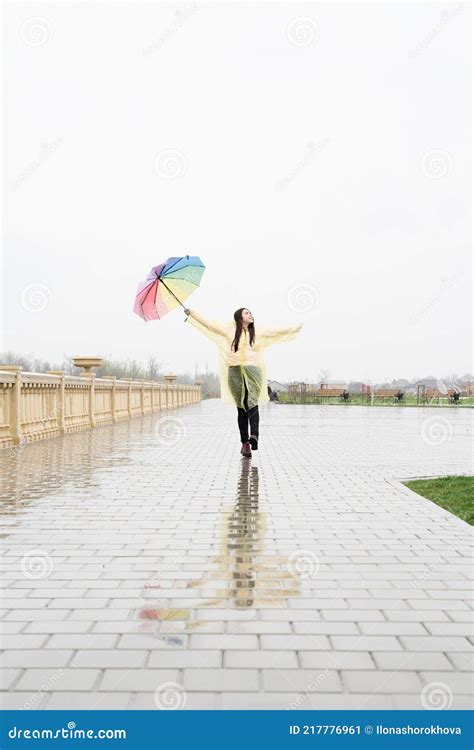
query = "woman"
{"x": 242, "y": 367}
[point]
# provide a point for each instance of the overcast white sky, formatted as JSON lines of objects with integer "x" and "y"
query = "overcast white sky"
{"x": 316, "y": 156}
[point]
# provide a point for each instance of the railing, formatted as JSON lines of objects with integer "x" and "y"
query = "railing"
{"x": 34, "y": 405}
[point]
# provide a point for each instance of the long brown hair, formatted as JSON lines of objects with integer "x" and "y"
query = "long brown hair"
{"x": 239, "y": 327}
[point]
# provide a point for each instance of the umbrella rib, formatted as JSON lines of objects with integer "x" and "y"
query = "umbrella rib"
{"x": 174, "y": 295}
{"x": 149, "y": 292}
{"x": 180, "y": 279}
{"x": 174, "y": 264}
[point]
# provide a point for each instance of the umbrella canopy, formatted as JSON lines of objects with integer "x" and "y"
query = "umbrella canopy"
{"x": 167, "y": 285}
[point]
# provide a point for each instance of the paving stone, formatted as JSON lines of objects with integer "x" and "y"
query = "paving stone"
{"x": 261, "y": 659}
{"x": 379, "y": 681}
{"x": 392, "y": 628}
{"x": 458, "y": 682}
{"x": 153, "y": 641}
{"x": 336, "y": 659}
{"x": 365, "y": 643}
{"x": 461, "y": 660}
{"x": 8, "y": 677}
{"x": 296, "y": 642}
{"x": 411, "y": 661}
{"x": 308, "y": 681}
{"x": 137, "y": 680}
{"x": 21, "y": 641}
{"x": 450, "y": 628}
{"x": 40, "y": 615}
{"x": 266, "y": 627}
{"x": 224, "y": 641}
{"x": 81, "y": 641}
{"x": 52, "y": 628}
{"x": 109, "y": 658}
{"x": 35, "y": 658}
{"x": 116, "y": 701}
{"x": 58, "y": 679}
{"x": 434, "y": 643}
{"x": 192, "y": 701}
{"x": 181, "y": 659}
{"x": 221, "y": 679}
{"x": 21, "y": 701}
{"x": 326, "y": 628}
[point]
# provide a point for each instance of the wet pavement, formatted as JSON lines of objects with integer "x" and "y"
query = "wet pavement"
{"x": 147, "y": 565}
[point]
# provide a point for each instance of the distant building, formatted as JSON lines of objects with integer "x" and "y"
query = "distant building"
{"x": 356, "y": 386}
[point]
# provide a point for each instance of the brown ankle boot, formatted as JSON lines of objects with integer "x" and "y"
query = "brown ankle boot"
{"x": 246, "y": 450}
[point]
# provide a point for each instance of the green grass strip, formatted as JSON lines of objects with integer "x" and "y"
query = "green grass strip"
{"x": 455, "y": 494}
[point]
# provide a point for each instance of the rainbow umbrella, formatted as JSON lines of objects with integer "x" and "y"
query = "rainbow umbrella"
{"x": 166, "y": 285}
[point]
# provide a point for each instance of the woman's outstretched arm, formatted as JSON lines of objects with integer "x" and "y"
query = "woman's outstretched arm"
{"x": 270, "y": 336}
{"x": 210, "y": 328}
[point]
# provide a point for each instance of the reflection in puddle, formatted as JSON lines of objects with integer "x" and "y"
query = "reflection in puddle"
{"x": 253, "y": 579}
{"x": 244, "y": 576}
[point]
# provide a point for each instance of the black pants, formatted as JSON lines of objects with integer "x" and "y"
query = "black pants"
{"x": 246, "y": 416}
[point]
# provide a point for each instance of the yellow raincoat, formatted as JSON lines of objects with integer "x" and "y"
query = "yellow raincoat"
{"x": 246, "y": 366}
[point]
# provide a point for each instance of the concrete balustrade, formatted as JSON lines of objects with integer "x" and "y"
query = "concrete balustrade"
{"x": 34, "y": 405}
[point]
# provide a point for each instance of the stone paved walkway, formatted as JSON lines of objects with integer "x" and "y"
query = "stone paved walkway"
{"x": 147, "y": 565}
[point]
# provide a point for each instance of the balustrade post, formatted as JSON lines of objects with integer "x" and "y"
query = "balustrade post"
{"x": 142, "y": 396}
{"x": 92, "y": 399}
{"x": 61, "y": 401}
{"x": 129, "y": 399}
{"x": 113, "y": 398}
{"x": 170, "y": 390}
{"x": 160, "y": 397}
{"x": 14, "y": 404}
{"x": 198, "y": 393}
